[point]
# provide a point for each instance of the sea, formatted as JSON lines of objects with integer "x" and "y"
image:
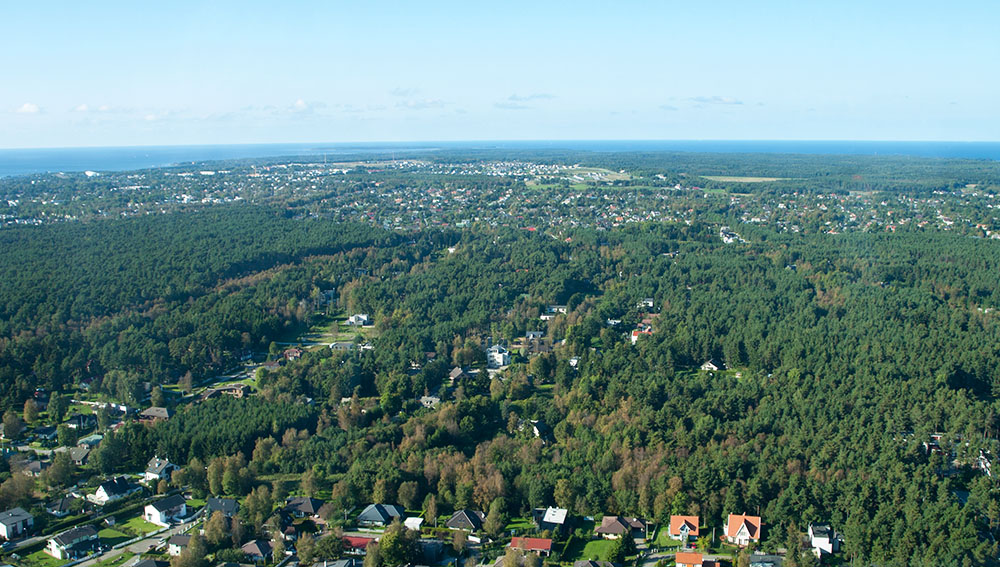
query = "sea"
{"x": 66, "y": 160}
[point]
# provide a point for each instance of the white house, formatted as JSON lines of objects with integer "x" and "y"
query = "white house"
{"x": 358, "y": 320}
{"x": 165, "y": 511}
{"x": 713, "y": 365}
{"x": 742, "y": 530}
{"x": 114, "y": 489}
{"x": 823, "y": 539}
{"x": 14, "y": 522}
{"x": 71, "y": 543}
{"x": 497, "y": 356}
{"x": 158, "y": 469}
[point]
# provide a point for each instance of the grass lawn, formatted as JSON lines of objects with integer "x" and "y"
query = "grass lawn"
{"x": 41, "y": 559}
{"x": 139, "y": 526}
{"x": 195, "y": 503}
{"x": 520, "y": 524}
{"x": 115, "y": 561}
{"x": 663, "y": 539}
{"x": 596, "y": 549}
{"x": 109, "y": 536}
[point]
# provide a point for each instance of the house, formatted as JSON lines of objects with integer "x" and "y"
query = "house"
{"x": 342, "y": 346}
{"x": 237, "y": 391}
{"x": 227, "y": 506}
{"x": 114, "y": 489}
{"x": 471, "y": 520}
{"x": 178, "y": 543}
{"x": 14, "y": 523}
{"x": 552, "y": 309}
{"x": 61, "y": 507}
{"x": 823, "y": 539}
{"x": 155, "y": 415}
{"x": 713, "y": 365}
{"x": 541, "y": 546}
{"x": 358, "y": 320}
{"x": 551, "y": 519}
{"x": 273, "y": 365}
{"x": 90, "y": 441}
{"x": 257, "y": 550}
{"x": 497, "y": 356}
{"x": 380, "y": 514}
{"x": 758, "y": 559}
{"x": 614, "y": 527}
{"x": 640, "y": 331}
{"x": 165, "y": 511}
{"x": 72, "y": 543}
{"x": 301, "y": 507}
{"x": 689, "y": 559}
{"x": 684, "y": 528}
{"x": 35, "y": 468}
{"x": 647, "y": 303}
{"x": 456, "y": 374}
{"x": 79, "y": 455}
{"x": 46, "y": 433}
{"x": 430, "y": 401}
{"x": 158, "y": 469}
{"x": 291, "y": 354}
{"x": 413, "y": 523}
{"x": 352, "y": 562}
{"x": 356, "y": 545}
{"x": 534, "y": 335}
{"x": 742, "y": 530}
{"x": 80, "y": 421}
{"x": 151, "y": 563}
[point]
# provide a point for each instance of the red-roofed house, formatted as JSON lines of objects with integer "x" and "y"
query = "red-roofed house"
{"x": 742, "y": 530}
{"x": 356, "y": 545}
{"x": 686, "y": 559}
{"x": 684, "y": 527}
{"x": 539, "y": 545}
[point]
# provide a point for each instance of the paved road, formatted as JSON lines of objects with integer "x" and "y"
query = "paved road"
{"x": 141, "y": 546}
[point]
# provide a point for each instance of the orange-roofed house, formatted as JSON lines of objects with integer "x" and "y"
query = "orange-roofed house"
{"x": 685, "y": 559}
{"x": 541, "y": 546}
{"x": 742, "y": 530}
{"x": 684, "y": 528}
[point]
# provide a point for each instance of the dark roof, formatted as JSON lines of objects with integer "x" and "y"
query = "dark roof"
{"x": 257, "y": 547}
{"x": 227, "y": 506}
{"x": 179, "y": 540}
{"x": 383, "y": 513}
{"x": 352, "y": 562}
{"x": 157, "y": 465}
{"x": 466, "y": 520}
{"x": 304, "y": 505}
{"x": 61, "y": 505}
{"x": 617, "y": 525}
{"x": 14, "y": 516}
{"x": 152, "y": 563}
{"x": 69, "y": 536}
{"x": 116, "y": 486}
{"x": 168, "y": 503}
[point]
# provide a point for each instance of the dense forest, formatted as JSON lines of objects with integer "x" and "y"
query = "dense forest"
{"x": 846, "y": 352}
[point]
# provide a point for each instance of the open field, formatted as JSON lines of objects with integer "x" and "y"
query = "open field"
{"x": 737, "y": 179}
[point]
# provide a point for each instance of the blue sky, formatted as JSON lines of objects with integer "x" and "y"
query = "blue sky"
{"x": 124, "y": 73}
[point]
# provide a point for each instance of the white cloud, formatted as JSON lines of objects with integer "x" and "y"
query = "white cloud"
{"x": 28, "y": 108}
{"x": 715, "y": 100}
{"x": 421, "y": 104}
{"x": 534, "y": 96}
{"x": 506, "y": 105}
{"x": 81, "y": 108}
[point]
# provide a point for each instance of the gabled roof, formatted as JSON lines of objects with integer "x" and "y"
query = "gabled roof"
{"x": 227, "y": 506}
{"x": 738, "y": 520}
{"x": 455, "y": 373}
{"x": 688, "y": 558}
{"x": 116, "y": 486}
{"x": 14, "y": 516}
{"x": 304, "y": 505}
{"x": 61, "y": 505}
{"x": 257, "y": 547}
{"x": 357, "y": 542}
{"x": 531, "y": 544}
{"x": 555, "y": 516}
{"x": 466, "y": 520}
{"x": 617, "y": 525}
{"x": 157, "y": 465}
{"x": 68, "y": 537}
{"x": 168, "y": 503}
{"x": 152, "y": 563}
{"x": 381, "y": 513}
{"x": 179, "y": 540}
{"x": 352, "y": 562}
{"x": 156, "y": 412}
{"x": 690, "y": 521}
